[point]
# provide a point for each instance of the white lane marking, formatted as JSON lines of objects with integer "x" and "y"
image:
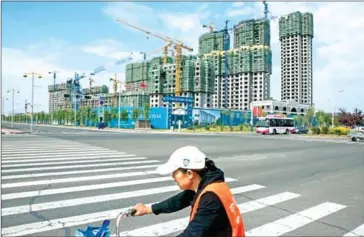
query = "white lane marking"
{"x": 51, "y": 145}
{"x": 88, "y": 200}
{"x": 37, "y": 227}
{"x": 74, "y": 162}
{"x": 76, "y": 179}
{"x": 68, "y": 167}
{"x": 169, "y": 227}
{"x": 83, "y": 188}
{"x": 359, "y": 231}
{"x": 47, "y": 174}
{"x": 74, "y": 157}
{"x": 62, "y": 154}
{"x": 297, "y": 220}
{"x": 50, "y": 151}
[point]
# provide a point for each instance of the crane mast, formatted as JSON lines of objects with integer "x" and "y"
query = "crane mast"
{"x": 178, "y": 45}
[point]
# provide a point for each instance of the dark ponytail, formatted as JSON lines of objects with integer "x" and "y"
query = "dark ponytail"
{"x": 210, "y": 165}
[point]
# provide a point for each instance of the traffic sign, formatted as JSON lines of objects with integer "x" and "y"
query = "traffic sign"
{"x": 179, "y": 99}
{"x": 180, "y": 111}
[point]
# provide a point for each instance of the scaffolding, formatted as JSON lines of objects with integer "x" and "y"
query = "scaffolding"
{"x": 96, "y": 90}
{"x": 212, "y": 41}
{"x": 252, "y": 32}
{"x": 246, "y": 59}
{"x": 161, "y": 78}
{"x": 296, "y": 23}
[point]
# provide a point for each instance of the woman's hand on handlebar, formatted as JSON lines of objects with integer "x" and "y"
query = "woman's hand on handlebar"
{"x": 142, "y": 209}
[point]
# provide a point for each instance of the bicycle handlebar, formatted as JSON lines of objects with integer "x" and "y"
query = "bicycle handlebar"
{"x": 129, "y": 212}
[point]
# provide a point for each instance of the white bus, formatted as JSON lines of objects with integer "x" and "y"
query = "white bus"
{"x": 275, "y": 125}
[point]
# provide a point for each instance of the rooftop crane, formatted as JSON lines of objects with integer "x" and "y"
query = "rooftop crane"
{"x": 178, "y": 45}
{"x": 155, "y": 51}
{"x": 167, "y": 40}
{"x": 75, "y": 82}
{"x": 266, "y": 11}
{"x": 226, "y": 47}
{"x": 211, "y": 26}
{"x": 91, "y": 80}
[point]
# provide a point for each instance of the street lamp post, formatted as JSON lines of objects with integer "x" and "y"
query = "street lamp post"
{"x": 2, "y": 108}
{"x": 333, "y": 111}
{"x": 119, "y": 99}
{"x": 54, "y": 91}
{"x": 39, "y": 76}
{"x": 13, "y": 90}
{"x": 333, "y": 114}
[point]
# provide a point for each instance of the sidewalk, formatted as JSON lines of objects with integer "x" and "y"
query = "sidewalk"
{"x": 11, "y": 131}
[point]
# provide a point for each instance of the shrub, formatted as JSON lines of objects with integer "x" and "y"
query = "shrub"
{"x": 315, "y": 130}
{"x": 341, "y": 131}
{"x": 231, "y": 128}
{"x": 207, "y": 128}
{"x": 325, "y": 130}
{"x": 241, "y": 127}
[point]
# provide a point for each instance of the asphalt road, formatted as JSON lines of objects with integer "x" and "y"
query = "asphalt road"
{"x": 60, "y": 179}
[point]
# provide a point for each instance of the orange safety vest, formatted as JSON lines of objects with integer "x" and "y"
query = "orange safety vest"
{"x": 222, "y": 190}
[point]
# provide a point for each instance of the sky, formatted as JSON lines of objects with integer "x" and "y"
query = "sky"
{"x": 78, "y": 37}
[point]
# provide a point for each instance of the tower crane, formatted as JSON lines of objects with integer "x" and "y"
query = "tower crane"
{"x": 178, "y": 45}
{"x": 91, "y": 80}
{"x": 155, "y": 51}
{"x": 266, "y": 11}
{"x": 211, "y": 27}
{"x": 75, "y": 82}
{"x": 115, "y": 85}
{"x": 226, "y": 47}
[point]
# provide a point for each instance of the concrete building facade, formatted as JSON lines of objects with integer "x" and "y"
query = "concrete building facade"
{"x": 281, "y": 107}
{"x": 249, "y": 63}
{"x": 295, "y": 35}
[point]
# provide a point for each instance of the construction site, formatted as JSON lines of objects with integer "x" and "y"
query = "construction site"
{"x": 217, "y": 76}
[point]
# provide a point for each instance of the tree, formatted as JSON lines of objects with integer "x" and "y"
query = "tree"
{"x": 136, "y": 114}
{"x": 320, "y": 115}
{"x": 124, "y": 116}
{"x": 146, "y": 112}
{"x": 298, "y": 120}
{"x": 351, "y": 119}
{"x": 246, "y": 116}
{"x": 309, "y": 115}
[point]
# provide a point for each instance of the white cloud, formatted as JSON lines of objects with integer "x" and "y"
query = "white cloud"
{"x": 238, "y": 4}
{"x": 338, "y": 40}
{"x": 135, "y": 13}
{"x": 240, "y": 12}
{"x": 338, "y": 43}
{"x": 17, "y": 62}
{"x": 110, "y": 48}
{"x": 183, "y": 26}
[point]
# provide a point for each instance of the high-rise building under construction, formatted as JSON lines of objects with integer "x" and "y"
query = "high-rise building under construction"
{"x": 203, "y": 77}
{"x": 295, "y": 35}
{"x": 249, "y": 64}
{"x": 197, "y": 80}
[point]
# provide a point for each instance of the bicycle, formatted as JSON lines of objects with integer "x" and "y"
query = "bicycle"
{"x": 103, "y": 230}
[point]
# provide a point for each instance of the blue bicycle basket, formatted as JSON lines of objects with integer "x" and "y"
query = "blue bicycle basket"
{"x": 101, "y": 231}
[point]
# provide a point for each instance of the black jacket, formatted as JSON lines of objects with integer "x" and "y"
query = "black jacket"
{"x": 210, "y": 218}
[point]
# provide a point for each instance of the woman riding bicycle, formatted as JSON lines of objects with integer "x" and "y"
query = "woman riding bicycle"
{"x": 214, "y": 211}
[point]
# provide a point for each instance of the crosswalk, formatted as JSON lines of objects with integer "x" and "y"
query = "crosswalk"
{"x": 52, "y": 187}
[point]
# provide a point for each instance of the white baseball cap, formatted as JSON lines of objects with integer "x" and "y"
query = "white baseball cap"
{"x": 187, "y": 157}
